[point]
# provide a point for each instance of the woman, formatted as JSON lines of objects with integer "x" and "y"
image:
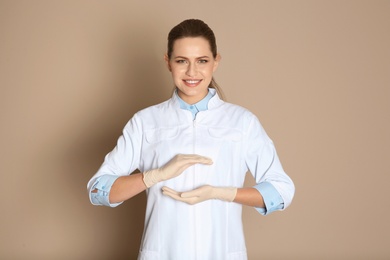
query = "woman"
{"x": 193, "y": 152}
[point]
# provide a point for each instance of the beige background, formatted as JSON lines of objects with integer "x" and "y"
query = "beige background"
{"x": 316, "y": 73}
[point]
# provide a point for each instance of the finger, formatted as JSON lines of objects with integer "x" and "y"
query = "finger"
{"x": 186, "y": 164}
{"x": 191, "y": 200}
{"x": 177, "y": 196}
{"x": 202, "y": 159}
{"x": 199, "y": 192}
{"x": 196, "y": 158}
{"x": 173, "y": 195}
{"x": 166, "y": 189}
{"x": 187, "y": 194}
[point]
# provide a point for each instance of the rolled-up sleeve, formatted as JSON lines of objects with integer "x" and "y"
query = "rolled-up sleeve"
{"x": 102, "y": 186}
{"x": 272, "y": 182}
{"x": 272, "y": 199}
{"x": 121, "y": 161}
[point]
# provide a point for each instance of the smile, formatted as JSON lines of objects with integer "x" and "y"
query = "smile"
{"x": 192, "y": 82}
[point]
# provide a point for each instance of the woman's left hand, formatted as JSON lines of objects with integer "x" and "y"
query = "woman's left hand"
{"x": 202, "y": 193}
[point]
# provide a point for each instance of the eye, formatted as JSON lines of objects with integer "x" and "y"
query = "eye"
{"x": 180, "y": 61}
{"x": 203, "y": 61}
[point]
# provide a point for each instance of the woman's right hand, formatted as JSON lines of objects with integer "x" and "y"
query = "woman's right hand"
{"x": 173, "y": 168}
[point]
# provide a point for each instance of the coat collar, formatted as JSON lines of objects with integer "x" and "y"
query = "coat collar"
{"x": 214, "y": 102}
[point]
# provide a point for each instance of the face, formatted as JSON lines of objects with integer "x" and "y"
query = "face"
{"x": 192, "y": 66}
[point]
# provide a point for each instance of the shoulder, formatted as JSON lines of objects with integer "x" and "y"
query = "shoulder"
{"x": 235, "y": 111}
{"x": 243, "y": 118}
{"x": 156, "y": 115}
{"x": 154, "y": 108}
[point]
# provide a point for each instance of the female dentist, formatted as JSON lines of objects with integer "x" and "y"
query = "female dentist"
{"x": 193, "y": 152}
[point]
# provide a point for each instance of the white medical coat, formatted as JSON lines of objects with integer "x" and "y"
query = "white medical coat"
{"x": 236, "y": 142}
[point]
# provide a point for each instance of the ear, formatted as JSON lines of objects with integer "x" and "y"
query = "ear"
{"x": 216, "y": 61}
{"x": 167, "y": 61}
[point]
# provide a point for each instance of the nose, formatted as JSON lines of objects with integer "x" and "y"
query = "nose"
{"x": 191, "y": 70}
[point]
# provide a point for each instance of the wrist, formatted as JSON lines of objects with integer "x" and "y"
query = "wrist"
{"x": 226, "y": 193}
{"x": 150, "y": 177}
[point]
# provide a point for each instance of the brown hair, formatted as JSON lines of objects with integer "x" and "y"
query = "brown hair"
{"x": 195, "y": 28}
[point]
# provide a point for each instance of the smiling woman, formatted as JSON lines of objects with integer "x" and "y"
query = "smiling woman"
{"x": 194, "y": 28}
{"x": 192, "y": 66}
{"x": 193, "y": 152}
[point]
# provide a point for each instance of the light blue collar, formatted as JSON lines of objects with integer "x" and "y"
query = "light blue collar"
{"x": 195, "y": 108}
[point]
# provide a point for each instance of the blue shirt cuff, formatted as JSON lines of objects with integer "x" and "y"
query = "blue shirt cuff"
{"x": 103, "y": 186}
{"x": 272, "y": 199}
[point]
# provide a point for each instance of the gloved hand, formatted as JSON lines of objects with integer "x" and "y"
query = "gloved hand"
{"x": 203, "y": 193}
{"x": 173, "y": 168}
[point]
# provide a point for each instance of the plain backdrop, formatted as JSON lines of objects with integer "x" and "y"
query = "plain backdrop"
{"x": 316, "y": 73}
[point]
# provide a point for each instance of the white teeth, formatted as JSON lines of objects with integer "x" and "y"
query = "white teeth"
{"x": 192, "y": 81}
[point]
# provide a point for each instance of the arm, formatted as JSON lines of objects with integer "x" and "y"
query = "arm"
{"x": 263, "y": 196}
{"x": 275, "y": 186}
{"x": 111, "y": 190}
{"x": 126, "y": 187}
{"x": 114, "y": 190}
{"x": 245, "y": 196}
{"x": 249, "y": 197}
{"x": 119, "y": 163}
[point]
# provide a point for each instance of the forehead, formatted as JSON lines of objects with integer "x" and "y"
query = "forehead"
{"x": 191, "y": 46}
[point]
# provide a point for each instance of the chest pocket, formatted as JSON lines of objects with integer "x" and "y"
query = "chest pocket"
{"x": 226, "y": 134}
{"x": 161, "y": 134}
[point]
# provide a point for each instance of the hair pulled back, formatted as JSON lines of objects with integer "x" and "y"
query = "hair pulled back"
{"x": 195, "y": 28}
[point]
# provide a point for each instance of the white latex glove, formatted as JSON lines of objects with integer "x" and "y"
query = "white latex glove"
{"x": 201, "y": 194}
{"x": 173, "y": 168}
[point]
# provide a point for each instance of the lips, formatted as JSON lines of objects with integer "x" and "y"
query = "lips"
{"x": 192, "y": 82}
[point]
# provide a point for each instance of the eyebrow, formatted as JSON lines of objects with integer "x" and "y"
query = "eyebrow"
{"x": 201, "y": 57}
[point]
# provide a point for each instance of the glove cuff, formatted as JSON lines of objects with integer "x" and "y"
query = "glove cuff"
{"x": 227, "y": 193}
{"x": 150, "y": 177}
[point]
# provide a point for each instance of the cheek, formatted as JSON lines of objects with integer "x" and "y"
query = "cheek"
{"x": 208, "y": 71}
{"x": 176, "y": 70}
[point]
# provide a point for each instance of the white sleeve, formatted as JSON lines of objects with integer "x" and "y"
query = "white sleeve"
{"x": 125, "y": 157}
{"x": 263, "y": 162}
